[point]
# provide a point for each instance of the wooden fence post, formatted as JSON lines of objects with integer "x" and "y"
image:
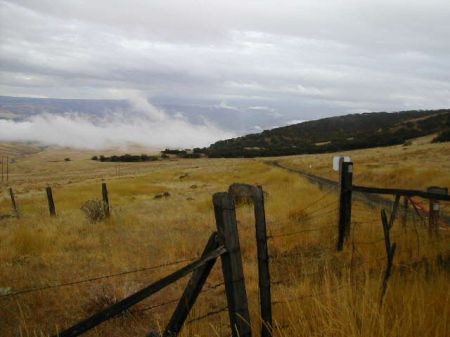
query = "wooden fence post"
{"x": 233, "y": 273}
{"x": 434, "y": 210}
{"x": 13, "y": 202}
{"x": 256, "y": 194}
{"x": 433, "y": 217}
{"x": 263, "y": 263}
{"x": 345, "y": 203}
{"x": 191, "y": 291}
{"x": 106, "y": 208}
{"x": 51, "y": 203}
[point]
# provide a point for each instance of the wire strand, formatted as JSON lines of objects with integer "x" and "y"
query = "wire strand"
{"x": 53, "y": 286}
{"x": 209, "y": 314}
{"x": 279, "y": 235}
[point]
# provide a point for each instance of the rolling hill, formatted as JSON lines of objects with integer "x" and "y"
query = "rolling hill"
{"x": 354, "y": 131}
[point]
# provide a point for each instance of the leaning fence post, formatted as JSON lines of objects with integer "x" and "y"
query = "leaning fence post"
{"x": 51, "y": 203}
{"x": 13, "y": 202}
{"x": 105, "y": 200}
{"x": 191, "y": 291}
{"x": 390, "y": 248}
{"x": 233, "y": 273}
{"x": 345, "y": 202}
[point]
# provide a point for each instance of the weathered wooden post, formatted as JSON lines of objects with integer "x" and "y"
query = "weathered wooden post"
{"x": 390, "y": 248}
{"x": 13, "y": 202}
{"x": 105, "y": 197}
{"x": 51, "y": 203}
{"x": 232, "y": 269}
{"x": 434, "y": 209}
{"x": 256, "y": 193}
{"x": 263, "y": 263}
{"x": 191, "y": 291}
{"x": 345, "y": 202}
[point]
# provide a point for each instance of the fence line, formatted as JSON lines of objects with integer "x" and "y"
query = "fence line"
{"x": 96, "y": 278}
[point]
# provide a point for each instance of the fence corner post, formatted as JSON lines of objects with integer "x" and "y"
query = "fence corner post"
{"x": 225, "y": 214}
{"x": 345, "y": 203}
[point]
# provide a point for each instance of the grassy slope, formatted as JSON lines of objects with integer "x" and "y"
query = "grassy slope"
{"x": 37, "y": 250}
{"x": 417, "y": 166}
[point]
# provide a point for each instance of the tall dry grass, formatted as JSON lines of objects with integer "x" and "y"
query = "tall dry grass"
{"x": 316, "y": 291}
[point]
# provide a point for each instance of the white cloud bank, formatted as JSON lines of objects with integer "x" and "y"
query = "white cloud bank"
{"x": 146, "y": 126}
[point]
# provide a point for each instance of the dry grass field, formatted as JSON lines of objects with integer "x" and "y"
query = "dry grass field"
{"x": 415, "y": 166}
{"x": 316, "y": 290}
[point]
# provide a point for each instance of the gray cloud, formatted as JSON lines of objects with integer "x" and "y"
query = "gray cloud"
{"x": 140, "y": 124}
{"x": 300, "y": 59}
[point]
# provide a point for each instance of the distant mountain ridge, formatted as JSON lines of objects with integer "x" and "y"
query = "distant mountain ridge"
{"x": 348, "y": 132}
{"x": 239, "y": 121}
{"x": 18, "y": 108}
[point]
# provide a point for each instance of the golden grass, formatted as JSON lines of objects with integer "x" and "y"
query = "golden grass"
{"x": 338, "y": 296}
{"x": 417, "y": 166}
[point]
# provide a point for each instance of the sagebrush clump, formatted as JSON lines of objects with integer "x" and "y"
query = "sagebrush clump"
{"x": 94, "y": 210}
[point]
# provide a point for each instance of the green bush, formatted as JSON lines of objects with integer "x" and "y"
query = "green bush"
{"x": 94, "y": 210}
{"x": 443, "y": 136}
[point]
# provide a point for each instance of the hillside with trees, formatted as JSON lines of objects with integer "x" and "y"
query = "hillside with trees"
{"x": 349, "y": 132}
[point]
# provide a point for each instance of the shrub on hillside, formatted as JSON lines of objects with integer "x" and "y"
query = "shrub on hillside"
{"x": 443, "y": 136}
{"x": 94, "y": 210}
{"x": 127, "y": 158}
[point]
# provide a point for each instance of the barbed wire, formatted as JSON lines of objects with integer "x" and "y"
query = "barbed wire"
{"x": 279, "y": 235}
{"x": 96, "y": 278}
{"x": 209, "y": 314}
{"x": 373, "y": 242}
{"x": 337, "y": 288}
{"x": 322, "y": 209}
{"x": 286, "y": 255}
{"x": 312, "y": 203}
{"x": 308, "y": 217}
{"x": 176, "y": 300}
{"x": 349, "y": 265}
{"x": 298, "y": 298}
{"x": 151, "y": 307}
{"x": 363, "y": 221}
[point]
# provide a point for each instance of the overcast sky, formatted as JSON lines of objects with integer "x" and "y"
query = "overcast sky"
{"x": 290, "y": 60}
